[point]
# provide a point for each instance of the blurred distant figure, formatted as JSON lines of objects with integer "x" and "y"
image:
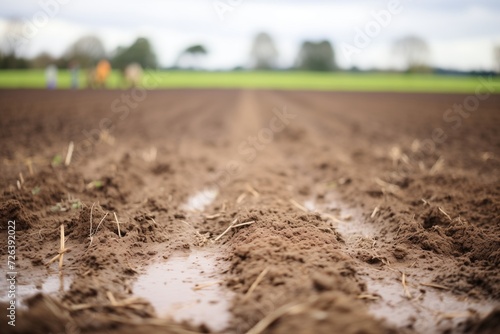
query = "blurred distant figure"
{"x": 102, "y": 71}
{"x": 74, "y": 69}
{"x": 133, "y": 74}
{"x": 51, "y": 76}
{"x": 97, "y": 77}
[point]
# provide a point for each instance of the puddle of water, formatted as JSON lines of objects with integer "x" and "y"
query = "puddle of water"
{"x": 200, "y": 200}
{"x": 428, "y": 312}
{"x": 351, "y": 228}
{"x": 187, "y": 287}
{"x": 51, "y": 285}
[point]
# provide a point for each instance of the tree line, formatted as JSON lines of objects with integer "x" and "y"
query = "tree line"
{"x": 86, "y": 51}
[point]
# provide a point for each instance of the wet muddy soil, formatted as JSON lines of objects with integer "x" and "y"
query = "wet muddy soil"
{"x": 254, "y": 212}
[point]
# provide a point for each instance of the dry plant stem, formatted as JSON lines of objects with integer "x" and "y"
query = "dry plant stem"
{"x": 123, "y": 303}
{"x": 252, "y": 190}
{"x": 227, "y": 229}
{"x": 118, "y": 224}
{"x": 91, "y": 211}
{"x": 405, "y": 287}
{"x": 243, "y": 224}
{"x": 391, "y": 188}
{"x": 30, "y": 166}
{"x": 21, "y": 177}
{"x": 96, "y": 229}
{"x": 154, "y": 222}
{"x": 291, "y": 308}
{"x": 57, "y": 257}
{"x": 232, "y": 225}
{"x": 298, "y": 206}
{"x": 90, "y": 185}
{"x": 257, "y": 281}
{"x": 241, "y": 198}
{"x": 61, "y": 255}
{"x": 448, "y": 316}
{"x": 206, "y": 285}
{"x": 369, "y": 297}
{"x": 111, "y": 298}
{"x": 436, "y": 286}
{"x": 209, "y": 217}
{"x": 333, "y": 218}
{"x": 71, "y": 146}
{"x": 194, "y": 229}
{"x": 438, "y": 165}
{"x": 444, "y": 213}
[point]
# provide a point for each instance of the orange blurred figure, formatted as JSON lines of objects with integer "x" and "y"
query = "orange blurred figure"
{"x": 102, "y": 71}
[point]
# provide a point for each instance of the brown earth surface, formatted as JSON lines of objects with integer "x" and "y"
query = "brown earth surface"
{"x": 349, "y": 212}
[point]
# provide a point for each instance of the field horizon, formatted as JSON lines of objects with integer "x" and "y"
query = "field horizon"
{"x": 289, "y": 80}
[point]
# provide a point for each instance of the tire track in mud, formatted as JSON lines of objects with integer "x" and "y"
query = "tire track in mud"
{"x": 205, "y": 256}
{"x": 298, "y": 252}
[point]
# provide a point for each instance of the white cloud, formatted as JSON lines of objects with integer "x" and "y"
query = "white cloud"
{"x": 464, "y": 54}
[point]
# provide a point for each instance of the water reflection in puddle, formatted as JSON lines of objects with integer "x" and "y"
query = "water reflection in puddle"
{"x": 200, "y": 200}
{"x": 348, "y": 222}
{"x": 51, "y": 285}
{"x": 429, "y": 311}
{"x": 187, "y": 287}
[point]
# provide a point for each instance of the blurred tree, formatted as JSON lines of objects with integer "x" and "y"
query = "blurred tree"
{"x": 11, "y": 44}
{"x": 264, "y": 54}
{"x": 496, "y": 57}
{"x": 11, "y": 61}
{"x": 12, "y": 39}
{"x": 140, "y": 52}
{"x": 191, "y": 57}
{"x": 197, "y": 49}
{"x": 316, "y": 56}
{"x": 87, "y": 50}
{"x": 414, "y": 52}
{"x": 42, "y": 60}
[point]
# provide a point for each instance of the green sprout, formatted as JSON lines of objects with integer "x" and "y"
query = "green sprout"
{"x": 57, "y": 208}
{"x": 57, "y": 160}
{"x": 98, "y": 184}
{"x": 66, "y": 205}
{"x": 76, "y": 205}
{"x": 95, "y": 184}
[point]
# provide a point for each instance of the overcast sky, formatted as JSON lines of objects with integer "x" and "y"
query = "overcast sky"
{"x": 461, "y": 34}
